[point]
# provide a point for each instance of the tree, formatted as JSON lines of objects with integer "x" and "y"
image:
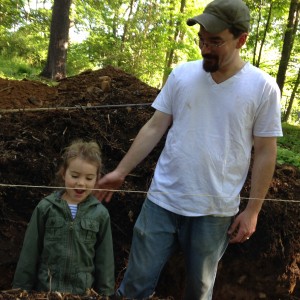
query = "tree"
{"x": 10, "y": 11}
{"x": 256, "y": 62}
{"x": 176, "y": 36}
{"x": 292, "y": 98}
{"x": 288, "y": 42}
{"x": 55, "y": 67}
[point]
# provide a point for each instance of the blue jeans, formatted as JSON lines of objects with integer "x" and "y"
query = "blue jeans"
{"x": 157, "y": 234}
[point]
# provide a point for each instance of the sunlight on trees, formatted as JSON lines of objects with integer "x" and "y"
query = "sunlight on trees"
{"x": 148, "y": 38}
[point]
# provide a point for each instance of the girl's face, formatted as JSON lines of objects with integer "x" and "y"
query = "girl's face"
{"x": 80, "y": 177}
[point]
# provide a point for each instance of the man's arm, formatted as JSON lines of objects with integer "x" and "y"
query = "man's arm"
{"x": 265, "y": 151}
{"x": 147, "y": 138}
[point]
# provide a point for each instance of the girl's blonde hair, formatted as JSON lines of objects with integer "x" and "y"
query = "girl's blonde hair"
{"x": 89, "y": 151}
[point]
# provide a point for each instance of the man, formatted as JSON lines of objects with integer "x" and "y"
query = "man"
{"x": 216, "y": 110}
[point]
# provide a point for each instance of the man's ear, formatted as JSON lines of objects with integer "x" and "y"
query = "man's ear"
{"x": 242, "y": 40}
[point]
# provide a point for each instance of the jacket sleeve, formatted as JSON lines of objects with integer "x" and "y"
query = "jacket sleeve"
{"x": 104, "y": 259}
{"x": 26, "y": 271}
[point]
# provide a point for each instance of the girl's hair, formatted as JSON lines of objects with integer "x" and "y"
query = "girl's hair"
{"x": 89, "y": 151}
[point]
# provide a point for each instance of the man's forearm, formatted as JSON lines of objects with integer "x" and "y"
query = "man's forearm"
{"x": 141, "y": 147}
{"x": 262, "y": 173}
{"x": 147, "y": 138}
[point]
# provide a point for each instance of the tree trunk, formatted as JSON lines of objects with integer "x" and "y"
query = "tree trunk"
{"x": 257, "y": 34}
{"x": 267, "y": 25}
{"x": 170, "y": 52}
{"x": 59, "y": 39}
{"x": 288, "y": 42}
{"x": 127, "y": 23}
{"x": 293, "y": 95}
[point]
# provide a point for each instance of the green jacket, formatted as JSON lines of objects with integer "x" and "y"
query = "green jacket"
{"x": 64, "y": 254}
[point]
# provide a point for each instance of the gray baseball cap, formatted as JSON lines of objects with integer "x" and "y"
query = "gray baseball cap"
{"x": 219, "y": 15}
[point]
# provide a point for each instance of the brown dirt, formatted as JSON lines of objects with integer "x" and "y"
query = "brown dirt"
{"x": 265, "y": 267}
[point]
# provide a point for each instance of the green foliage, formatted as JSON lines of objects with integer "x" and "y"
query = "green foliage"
{"x": 136, "y": 36}
{"x": 144, "y": 38}
{"x": 26, "y": 36}
{"x": 285, "y": 156}
{"x": 11, "y": 12}
{"x": 78, "y": 60}
{"x": 30, "y": 48}
{"x": 24, "y": 69}
{"x": 17, "y": 68}
{"x": 289, "y": 145}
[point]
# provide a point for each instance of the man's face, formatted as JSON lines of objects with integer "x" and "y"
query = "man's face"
{"x": 218, "y": 50}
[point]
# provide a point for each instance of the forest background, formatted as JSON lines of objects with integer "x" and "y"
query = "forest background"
{"x": 144, "y": 38}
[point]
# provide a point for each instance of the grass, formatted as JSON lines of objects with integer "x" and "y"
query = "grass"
{"x": 16, "y": 68}
{"x": 289, "y": 145}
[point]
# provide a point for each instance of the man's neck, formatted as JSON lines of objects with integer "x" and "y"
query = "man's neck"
{"x": 225, "y": 73}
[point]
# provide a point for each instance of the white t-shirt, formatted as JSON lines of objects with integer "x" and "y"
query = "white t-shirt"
{"x": 206, "y": 158}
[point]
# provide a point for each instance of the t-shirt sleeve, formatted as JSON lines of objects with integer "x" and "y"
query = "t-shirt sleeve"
{"x": 268, "y": 117}
{"x": 163, "y": 101}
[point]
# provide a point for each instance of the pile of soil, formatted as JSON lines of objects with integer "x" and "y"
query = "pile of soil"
{"x": 108, "y": 105}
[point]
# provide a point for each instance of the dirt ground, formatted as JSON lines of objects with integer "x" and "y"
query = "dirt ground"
{"x": 38, "y": 121}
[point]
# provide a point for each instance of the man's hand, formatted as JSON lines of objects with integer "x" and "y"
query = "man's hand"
{"x": 262, "y": 171}
{"x": 243, "y": 227}
{"x": 110, "y": 182}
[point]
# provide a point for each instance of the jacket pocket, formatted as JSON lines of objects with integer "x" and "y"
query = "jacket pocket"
{"x": 83, "y": 281}
{"x": 48, "y": 278}
{"x": 89, "y": 229}
{"x": 54, "y": 228}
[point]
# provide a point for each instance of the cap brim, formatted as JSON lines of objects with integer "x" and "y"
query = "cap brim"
{"x": 210, "y": 23}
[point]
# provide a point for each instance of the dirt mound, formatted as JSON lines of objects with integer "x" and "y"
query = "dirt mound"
{"x": 110, "y": 106}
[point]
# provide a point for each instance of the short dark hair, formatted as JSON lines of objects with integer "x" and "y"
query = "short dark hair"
{"x": 236, "y": 32}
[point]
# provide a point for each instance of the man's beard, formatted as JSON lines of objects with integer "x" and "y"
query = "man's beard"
{"x": 210, "y": 63}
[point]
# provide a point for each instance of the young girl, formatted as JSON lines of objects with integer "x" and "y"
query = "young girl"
{"x": 68, "y": 242}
